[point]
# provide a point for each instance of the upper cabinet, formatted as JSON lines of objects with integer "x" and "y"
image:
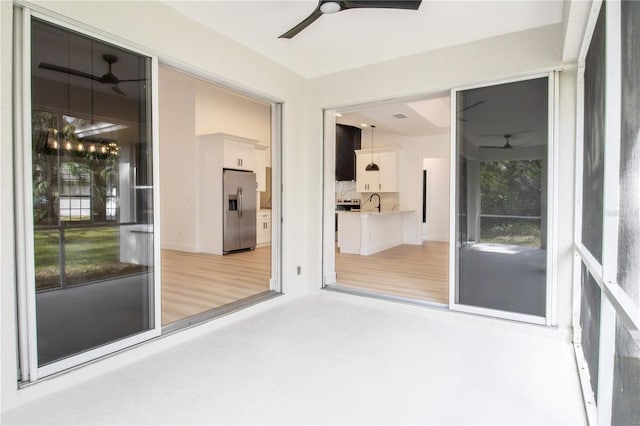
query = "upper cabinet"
{"x": 348, "y": 139}
{"x": 383, "y": 180}
{"x": 238, "y": 154}
{"x": 388, "y": 172}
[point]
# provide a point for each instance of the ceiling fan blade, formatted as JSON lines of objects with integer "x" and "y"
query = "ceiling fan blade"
{"x": 58, "y": 68}
{"x": 304, "y": 24}
{"x": 471, "y": 106}
{"x": 131, "y": 80}
{"x": 492, "y": 147}
{"x": 118, "y": 90}
{"x": 380, "y": 4}
{"x": 512, "y": 135}
{"x": 521, "y": 144}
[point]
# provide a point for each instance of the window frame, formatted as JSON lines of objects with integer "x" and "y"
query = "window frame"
{"x": 615, "y": 302}
{"x": 29, "y": 371}
{"x": 551, "y": 296}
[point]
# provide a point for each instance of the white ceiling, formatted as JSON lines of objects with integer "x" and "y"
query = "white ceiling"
{"x": 423, "y": 118}
{"x": 518, "y": 109}
{"x": 353, "y": 38}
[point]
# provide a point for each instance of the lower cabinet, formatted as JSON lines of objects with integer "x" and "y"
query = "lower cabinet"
{"x": 263, "y": 228}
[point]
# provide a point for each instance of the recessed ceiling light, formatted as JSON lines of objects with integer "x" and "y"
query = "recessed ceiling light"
{"x": 363, "y": 125}
{"x": 399, "y": 116}
{"x": 338, "y": 114}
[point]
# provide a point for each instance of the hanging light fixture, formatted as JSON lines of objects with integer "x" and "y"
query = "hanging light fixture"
{"x": 372, "y": 167}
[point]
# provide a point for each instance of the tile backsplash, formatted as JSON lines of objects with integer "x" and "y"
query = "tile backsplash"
{"x": 346, "y": 190}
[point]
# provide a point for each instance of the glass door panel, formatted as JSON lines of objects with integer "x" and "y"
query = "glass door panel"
{"x": 92, "y": 192}
{"x": 501, "y": 197}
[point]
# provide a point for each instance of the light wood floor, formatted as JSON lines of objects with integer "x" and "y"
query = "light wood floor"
{"x": 197, "y": 282}
{"x": 413, "y": 271}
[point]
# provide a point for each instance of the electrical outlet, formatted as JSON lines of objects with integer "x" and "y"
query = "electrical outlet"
{"x": 299, "y": 269}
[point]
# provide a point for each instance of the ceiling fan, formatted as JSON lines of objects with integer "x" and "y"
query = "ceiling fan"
{"x": 331, "y": 6}
{"x": 108, "y": 78}
{"x": 506, "y": 145}
{"x": 473, "y": 105}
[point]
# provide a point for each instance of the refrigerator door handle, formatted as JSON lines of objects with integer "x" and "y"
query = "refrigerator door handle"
{"x": 240, "y": 197}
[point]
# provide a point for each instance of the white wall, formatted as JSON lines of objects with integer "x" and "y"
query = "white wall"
{"x": 8, "y": 355}
{"x": 221, "y": 111}
{"x": 437, "y": 226}
{"x": 178, "y": 203}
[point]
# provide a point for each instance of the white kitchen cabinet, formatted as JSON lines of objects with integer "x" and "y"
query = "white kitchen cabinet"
{"x": 366, "y": 181}
{"x": 238, "y": 155}
{"x": 261, "y": 167}
{"x": 263, "y": 227}
{"x": 388, "y": 172}
{"x": 383, "y": 180}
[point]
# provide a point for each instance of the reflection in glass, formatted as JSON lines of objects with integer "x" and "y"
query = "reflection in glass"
{"x": 93, "y": 230}
{"x": 501, "y": 142}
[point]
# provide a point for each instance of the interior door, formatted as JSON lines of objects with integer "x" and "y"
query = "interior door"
{"x": 501, "y": 156}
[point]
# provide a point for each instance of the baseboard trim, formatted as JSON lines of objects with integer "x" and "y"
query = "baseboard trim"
{"x": 179, "y": 247}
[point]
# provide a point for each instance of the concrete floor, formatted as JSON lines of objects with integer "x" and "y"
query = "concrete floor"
{"x": 332, "y": 358}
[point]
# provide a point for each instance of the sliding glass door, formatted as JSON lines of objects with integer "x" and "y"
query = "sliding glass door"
{"x": 88, "y": 195}
{"x": 501, "y": 196}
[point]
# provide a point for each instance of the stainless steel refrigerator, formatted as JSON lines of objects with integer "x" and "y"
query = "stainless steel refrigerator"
{"x": 239, "y": 210}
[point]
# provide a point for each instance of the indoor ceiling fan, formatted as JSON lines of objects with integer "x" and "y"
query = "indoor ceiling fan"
{"x": 108, "y": 78}
{"x": 468, "y": 107}
{"x": 330, "y": 6}
{"x": 506, "y": 145}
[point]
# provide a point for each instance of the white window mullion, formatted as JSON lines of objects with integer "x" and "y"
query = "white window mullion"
{"x": 24, "y": 206}
{"x": 577, "y": 212}
{"x": 552, "y": 197}
{"x": 20, "y": 220}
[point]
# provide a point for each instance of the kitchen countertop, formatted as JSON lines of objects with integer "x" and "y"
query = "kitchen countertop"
{"x": 374, "y": 212}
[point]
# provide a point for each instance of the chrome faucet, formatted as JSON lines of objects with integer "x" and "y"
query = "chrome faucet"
{"x": 377, "y": 195}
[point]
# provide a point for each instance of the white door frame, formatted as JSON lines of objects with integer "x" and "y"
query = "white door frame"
{"x": 552, "y": 197}
{"x": 30, "y": 371}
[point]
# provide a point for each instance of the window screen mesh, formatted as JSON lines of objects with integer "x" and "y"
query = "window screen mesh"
{"x": 626, "y": 378}
{"x": 626, "y": 375}
{"x": 594, "y": 131}
{"x": 590, "y": 323}
{"x": 629, "y": 233}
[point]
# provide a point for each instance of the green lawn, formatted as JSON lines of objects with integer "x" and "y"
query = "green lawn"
{"x": 91, "y": 254}
{"x": 521, "y": 234}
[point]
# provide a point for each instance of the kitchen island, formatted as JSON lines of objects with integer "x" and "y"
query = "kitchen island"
{"x": 365, "y": 233}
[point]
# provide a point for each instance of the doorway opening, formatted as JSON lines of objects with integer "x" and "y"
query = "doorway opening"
{"x": 374, "y": 231}
{"x": 216, "y": 159}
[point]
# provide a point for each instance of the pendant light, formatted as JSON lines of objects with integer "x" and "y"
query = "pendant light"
{"x": 372, "y": 167}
